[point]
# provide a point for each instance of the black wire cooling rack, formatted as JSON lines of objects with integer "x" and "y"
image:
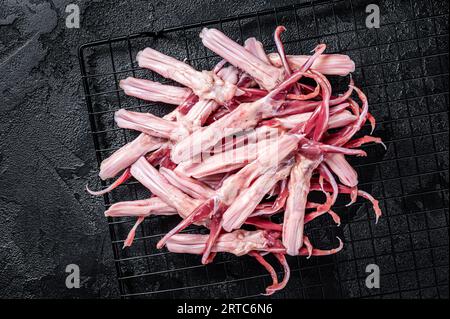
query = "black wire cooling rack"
{"x": 402, "y": 67}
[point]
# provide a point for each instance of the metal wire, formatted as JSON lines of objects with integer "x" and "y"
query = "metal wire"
{"x": 406, "y": 193}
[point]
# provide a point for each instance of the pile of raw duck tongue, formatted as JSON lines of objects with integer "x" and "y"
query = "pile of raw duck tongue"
{"x": 249, "y": 139}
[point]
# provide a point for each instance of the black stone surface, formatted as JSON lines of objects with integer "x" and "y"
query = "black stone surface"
{"x": 47, "y": 221}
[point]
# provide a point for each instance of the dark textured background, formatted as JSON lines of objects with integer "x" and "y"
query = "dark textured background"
{"x": 47, "y": 221}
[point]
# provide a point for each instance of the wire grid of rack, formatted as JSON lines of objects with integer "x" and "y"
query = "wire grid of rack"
{"x": 402, "y": 67}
